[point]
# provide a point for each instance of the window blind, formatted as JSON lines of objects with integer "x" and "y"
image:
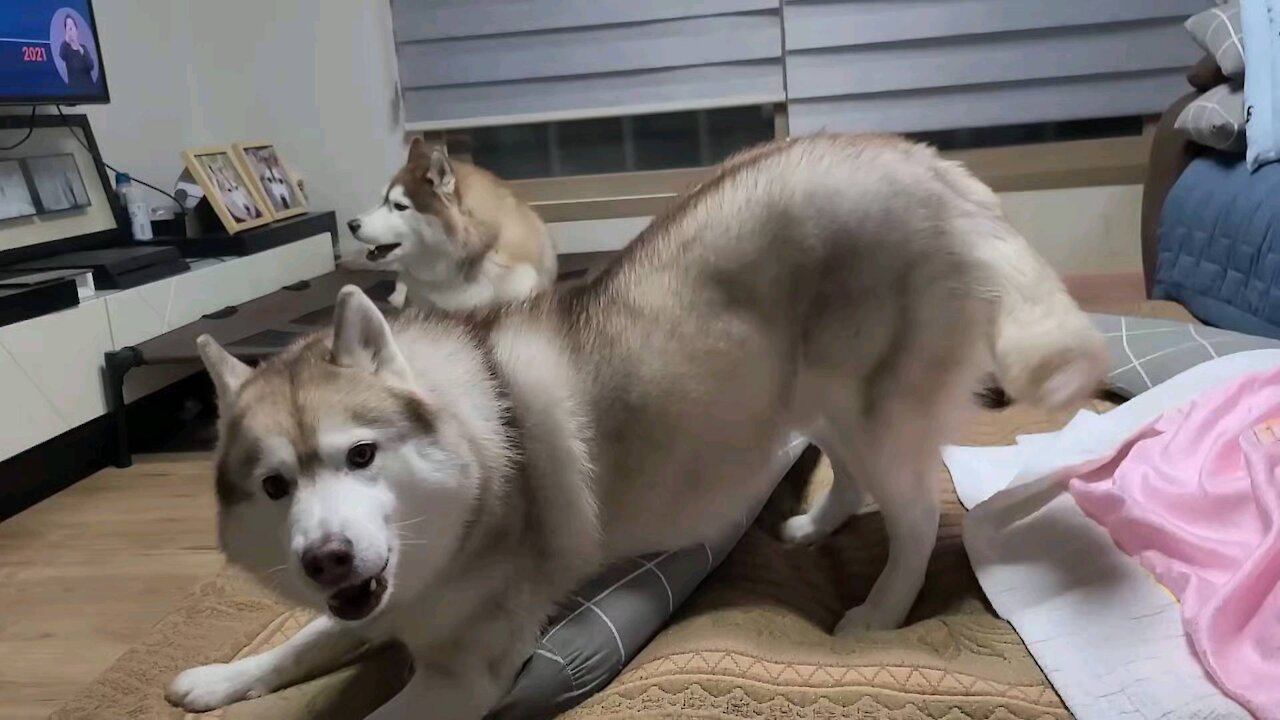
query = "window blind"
{"x": 523, "y": 61}
{"x": 921, "y": 65}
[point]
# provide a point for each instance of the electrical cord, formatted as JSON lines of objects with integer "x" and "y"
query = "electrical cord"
{"x": 31, "y": 128}
{"x": 107, "y": 165}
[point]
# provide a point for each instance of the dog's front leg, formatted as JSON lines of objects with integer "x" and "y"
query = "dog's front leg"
{"x": 318, "y": 646}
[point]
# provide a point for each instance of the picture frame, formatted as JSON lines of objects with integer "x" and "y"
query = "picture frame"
{"x": 17, "y": 200}
{"x": 94, "y": 227}
{"x": 56, "y": 183}
{"x": 260, "y": 161}
{"x": 230, "y": 193}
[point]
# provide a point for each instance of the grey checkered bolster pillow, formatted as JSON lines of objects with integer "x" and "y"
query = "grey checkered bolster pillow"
{"x": 1218, "y": 32}
{"x": 613, "y": 617}
{"x": 1144, "y": 352}
{"x": 1216, "y": 119}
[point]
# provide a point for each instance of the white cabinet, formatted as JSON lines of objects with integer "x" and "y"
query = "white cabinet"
{"x": 51, "y": 375}
{"x": 51, "y": 372}
{"x": 153, "y": 309}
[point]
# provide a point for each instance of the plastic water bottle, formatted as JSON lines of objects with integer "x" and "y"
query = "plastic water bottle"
{"x": 139, "y": 211}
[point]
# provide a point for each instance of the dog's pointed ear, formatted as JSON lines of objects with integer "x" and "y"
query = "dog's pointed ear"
{"x": 440, "y": 171}
{"x": 362, "y": 338}
{"x": 227, "y": 372}
{"x": 419, "y": 152}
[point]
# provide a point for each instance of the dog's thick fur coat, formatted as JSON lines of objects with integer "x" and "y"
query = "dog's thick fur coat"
{"x": 853, "y": 289}
{"x": 457, "y": 235}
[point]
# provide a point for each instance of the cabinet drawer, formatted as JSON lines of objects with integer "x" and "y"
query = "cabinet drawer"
{"x": 156, "y": 308}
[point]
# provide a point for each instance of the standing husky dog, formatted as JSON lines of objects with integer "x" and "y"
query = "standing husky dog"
{"x": 444, "y": 481}
{"x": 457, "y": 235}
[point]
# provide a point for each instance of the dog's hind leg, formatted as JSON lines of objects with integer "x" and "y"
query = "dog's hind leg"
{"x": 899, "y": 472}
{"x": 891, "y": 433}
{"x": 840, "y": 502}
{"x": 400, "y": 296}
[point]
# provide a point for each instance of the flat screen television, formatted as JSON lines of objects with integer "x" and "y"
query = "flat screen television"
{"x": 49, "y": 53}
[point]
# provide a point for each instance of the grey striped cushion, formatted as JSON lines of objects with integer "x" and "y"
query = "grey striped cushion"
{"x": 613, "y": 617}
{"x": 1145, "y": 352}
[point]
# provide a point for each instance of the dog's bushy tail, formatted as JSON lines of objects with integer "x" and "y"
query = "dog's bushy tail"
{"x": 1045, "y": 349}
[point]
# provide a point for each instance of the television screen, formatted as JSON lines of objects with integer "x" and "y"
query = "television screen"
{"x": 49, "y": 53}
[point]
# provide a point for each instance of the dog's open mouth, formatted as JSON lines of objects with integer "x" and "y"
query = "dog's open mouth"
{"x": 358, "y": 601}
{"x": 380, "y": 252}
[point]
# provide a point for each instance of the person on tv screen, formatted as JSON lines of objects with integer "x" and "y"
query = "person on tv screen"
{"x": 78, "y": 58}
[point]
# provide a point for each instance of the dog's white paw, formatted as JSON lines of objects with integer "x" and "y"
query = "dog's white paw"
{"x": 867, "y": 617}
{"x": 801, "y": 530}
{"x": 210, "y": 687}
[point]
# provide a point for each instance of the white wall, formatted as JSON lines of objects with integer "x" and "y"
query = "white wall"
{"x": 1082, "y": 230}
{"x": 154, "y": 111}
{"x": 316, "y": 77}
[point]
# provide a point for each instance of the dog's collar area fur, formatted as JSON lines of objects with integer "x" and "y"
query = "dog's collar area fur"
{"x": 482, "y": 527}
{"x": 554, "y": 526}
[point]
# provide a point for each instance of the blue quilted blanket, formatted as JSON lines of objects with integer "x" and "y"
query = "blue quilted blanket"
{"x": 1219, "y": 245}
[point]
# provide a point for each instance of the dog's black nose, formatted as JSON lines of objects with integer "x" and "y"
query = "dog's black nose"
{"x": 353, "y": 226}
{"x": 330, "y": 561}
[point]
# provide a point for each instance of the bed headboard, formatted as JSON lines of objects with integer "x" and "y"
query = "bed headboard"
{"x": 1171, "y": 153}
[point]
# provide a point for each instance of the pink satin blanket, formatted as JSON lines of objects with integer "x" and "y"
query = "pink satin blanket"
{"x": 1195, "y": 498}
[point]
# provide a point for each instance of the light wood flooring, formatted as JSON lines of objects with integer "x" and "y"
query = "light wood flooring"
{"x": 85, "y": 574}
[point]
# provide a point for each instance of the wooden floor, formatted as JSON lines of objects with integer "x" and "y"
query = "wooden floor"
{"x": 84, "y": 575}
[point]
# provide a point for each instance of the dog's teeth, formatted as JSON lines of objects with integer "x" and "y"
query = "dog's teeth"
{"x": 373, "y": 584}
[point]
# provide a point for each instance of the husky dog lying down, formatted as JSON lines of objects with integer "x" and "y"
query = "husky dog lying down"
{"x": 444, "y": 480}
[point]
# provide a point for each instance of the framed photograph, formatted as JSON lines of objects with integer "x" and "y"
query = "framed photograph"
{"x": 261, "y": 162}
{"x": 15, "y": 194}
{"x": 233, "y": 196}
{"x": 57, "y": 182}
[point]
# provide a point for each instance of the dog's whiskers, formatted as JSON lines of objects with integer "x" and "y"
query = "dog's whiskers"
{"x": 410, "y": 522}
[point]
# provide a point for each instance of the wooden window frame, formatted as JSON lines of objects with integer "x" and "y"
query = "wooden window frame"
{"x": 1013, "y": 168}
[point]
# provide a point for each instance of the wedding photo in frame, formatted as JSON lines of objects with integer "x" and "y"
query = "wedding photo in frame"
{"x": 57, "y": 182}
{"x": 16, "y": 200}
{"x": 266, "y": 170}
{"x": 231, "y": 193}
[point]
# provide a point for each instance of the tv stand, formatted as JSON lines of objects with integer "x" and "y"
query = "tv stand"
{"x": 253, "y": 331}
{"x": 68, "y": 376}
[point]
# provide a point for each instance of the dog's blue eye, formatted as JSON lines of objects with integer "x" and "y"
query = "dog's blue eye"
{"x": 400, "y": 207}
{"x": 361, "y": 455}
{"x": 275, "y": 486}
